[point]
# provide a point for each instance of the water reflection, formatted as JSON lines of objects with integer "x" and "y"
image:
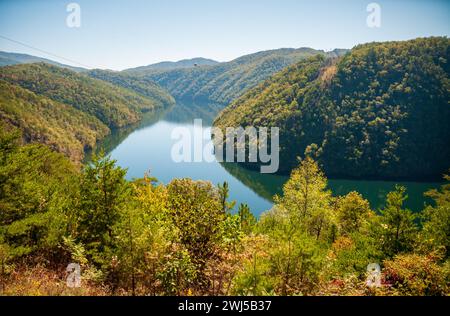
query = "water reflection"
{"x": 375, "y": 192}
{"x": 117, "y": 136}
{"x": 186, "y": 112}
{"x": 265, "y": 185}
{"x": 147, "y": 145}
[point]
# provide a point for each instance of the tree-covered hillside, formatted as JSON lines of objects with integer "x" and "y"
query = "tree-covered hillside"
{"x": 142, "y": 86}
{"x": 113, "y": 105}
{"x": 60, "y": 126}
{"x": 224, "y": 82}
{"x": 381, "y": 111}
{"x": 68, "y": 111}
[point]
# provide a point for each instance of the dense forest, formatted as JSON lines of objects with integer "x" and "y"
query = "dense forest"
{"x": 113, "y": 105}
{"x": 187, "y": 238}
{"x": 224, "y": 82}
{"x": 70, "y": 112}
{"x": 58, "y": 125}
{"x": 380, "y": 111}
{"x": 79, "y": 109}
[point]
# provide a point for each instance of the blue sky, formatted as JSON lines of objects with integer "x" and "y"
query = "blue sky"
{"x": 121, "y": 34}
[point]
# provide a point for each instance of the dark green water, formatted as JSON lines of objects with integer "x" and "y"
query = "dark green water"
{"x": 147, "y": 147}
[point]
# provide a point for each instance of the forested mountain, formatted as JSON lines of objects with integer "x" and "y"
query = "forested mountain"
{"x": 142, "y": 86}
{"x": 170, "y": 65}
{"x": 113, "y": 105}
{"x": 60, "y": 126}
{"x": 69, "y": 112}
{"x": 224, "y": 82}
{"x": 9, "y": 59}
{"x": 381, "y": 111}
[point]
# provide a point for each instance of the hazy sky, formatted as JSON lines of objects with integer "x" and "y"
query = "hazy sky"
{"x": 121, "y": 34}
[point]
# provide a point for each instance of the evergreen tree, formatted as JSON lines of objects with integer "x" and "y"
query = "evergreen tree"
{"x": 246, "y": 218}
{"x": 224, "y": 193}
{"x": 353, "y": 212}
{"x": 436, "y": 227}
{"x": 307, "y": 199}
{"x": 396, "y": 227}
{"x": 103, "y": 194}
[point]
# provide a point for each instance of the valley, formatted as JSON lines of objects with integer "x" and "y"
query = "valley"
{"x": 87, "y": 177}
{"x": 109, "y": 107}
{"x": 146, "y": 147}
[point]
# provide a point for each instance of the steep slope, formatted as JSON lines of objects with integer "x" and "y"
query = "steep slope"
{"x": 142, "y": 86}
{"x": 68, "y": 111}
{"x": 225, "y": 82}
{"x": 60, "y": 126}
{"x": 9, "y": 59}
{"x": 381, "y": 111}
{"x": 113, "y": 105}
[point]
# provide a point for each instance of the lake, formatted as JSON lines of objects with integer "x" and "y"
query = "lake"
{"x": 147, "y": 148}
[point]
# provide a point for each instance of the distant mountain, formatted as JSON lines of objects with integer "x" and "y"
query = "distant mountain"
{"x": 338, "y": 52}
{"x": 224, "y": 82}
{"x": 381, "y": 111}
{"x": 66, "y": 110}
{"x": 170, "y": 65}
{"x": 7, "y": 59}
{"x": 142, "y": 86}
{"x": 71, "y": 110}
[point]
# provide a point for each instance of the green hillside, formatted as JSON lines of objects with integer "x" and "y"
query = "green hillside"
{"x": 113, "y": 105}
{"x": 60, "y": 126}
{"x": 71, "y": 112}
{"x": 224, "y": 82}
{"x": 142, "y": 86}
{"x": 381, "y": 111}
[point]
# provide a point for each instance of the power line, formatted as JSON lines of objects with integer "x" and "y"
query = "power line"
{"x": 45, "y": 52}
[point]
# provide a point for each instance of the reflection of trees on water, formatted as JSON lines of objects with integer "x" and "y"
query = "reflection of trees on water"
{"x": 376, "y": 191}
{"x": 181, "y": 112}
{"x": 265, "y": 185}
{"x": 186, "y": 112}
{"x": 117, "y": 136}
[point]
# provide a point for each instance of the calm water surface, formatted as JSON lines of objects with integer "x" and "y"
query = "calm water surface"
{"x": 147, "y": 147}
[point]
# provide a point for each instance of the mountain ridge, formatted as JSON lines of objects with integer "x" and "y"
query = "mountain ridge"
{"x": 10, "y": 59}
{"x": 224, "y": 82}
{"x": 170, "y": 65}
{"x": 381, "y": 111}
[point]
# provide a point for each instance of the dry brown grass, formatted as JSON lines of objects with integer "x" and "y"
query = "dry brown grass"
{"x": 40, "y": 281}
{"x": 327, "y": 74}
